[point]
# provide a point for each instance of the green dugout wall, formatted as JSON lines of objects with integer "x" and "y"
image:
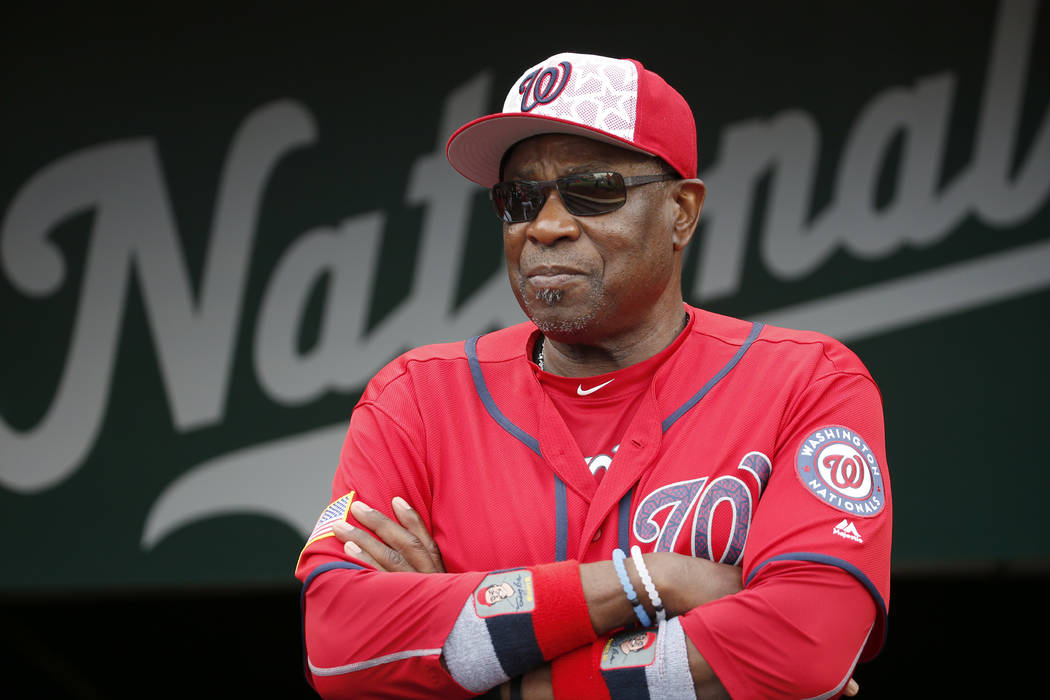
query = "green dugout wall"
{"x": 216, "y": 228}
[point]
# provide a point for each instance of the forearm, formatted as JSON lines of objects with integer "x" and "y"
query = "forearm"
{"x": 705, "y": 682}
{"x": 683, "y": 582}
{"x": 796, "y": 632}
{"x": 556, "y": 607}
{"x": 573, "y": 605}
{"x": 681, "y": 672}
{"x": 352, "y": 640}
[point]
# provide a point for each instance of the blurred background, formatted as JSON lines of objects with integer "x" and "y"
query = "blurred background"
{"x": 216, "y": 226}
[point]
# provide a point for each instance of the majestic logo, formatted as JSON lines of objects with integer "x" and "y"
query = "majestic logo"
{"x": 839, "y": 468}
{"x": 504, "y": 593}
{"x": 543, "y": 85}
{"x": 848, "y": 530}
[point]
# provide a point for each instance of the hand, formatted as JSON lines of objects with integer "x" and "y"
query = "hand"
{"x": 535, "y": 685}
{"x": 405, "y": 545}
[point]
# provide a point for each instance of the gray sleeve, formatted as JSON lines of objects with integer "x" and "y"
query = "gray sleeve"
{"x": 668, "y": 677}
{"x": 469, "y": 655}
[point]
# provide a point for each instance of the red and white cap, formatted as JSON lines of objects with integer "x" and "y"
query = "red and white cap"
{"x": 616, "y": 101}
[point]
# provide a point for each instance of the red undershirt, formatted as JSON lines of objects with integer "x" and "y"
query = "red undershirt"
{"x": 597, "y": 410}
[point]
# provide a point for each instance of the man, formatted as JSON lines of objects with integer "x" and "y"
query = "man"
{"x": 637, "y": 642}
{"x": 495, "y": 593}
{"x": 747, "y": 462}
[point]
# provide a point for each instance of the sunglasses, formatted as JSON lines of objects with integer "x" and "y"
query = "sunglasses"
{"x": 585, "y": 194}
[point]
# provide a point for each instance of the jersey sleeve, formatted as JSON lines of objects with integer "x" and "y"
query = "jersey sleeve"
{"x": 817, "y": 561}
{"x": 369, "y": 633}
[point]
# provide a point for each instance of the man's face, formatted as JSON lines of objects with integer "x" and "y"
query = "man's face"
{"x": 585, "y": 279}
{"x": 631, "y": 644}
{"x": 494, "y": 594}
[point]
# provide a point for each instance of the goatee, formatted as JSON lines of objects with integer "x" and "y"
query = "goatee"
{"x": 549, "y": 296}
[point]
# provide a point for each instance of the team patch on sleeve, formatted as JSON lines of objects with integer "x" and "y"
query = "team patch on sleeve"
{"x": 504, "y": 593}
{"x": 836, "y": 465}
{"x": 632, "y": 649}
{"x": 334, "y": 513}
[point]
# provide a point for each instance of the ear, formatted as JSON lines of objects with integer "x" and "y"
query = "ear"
{"x": 689, "y": 200}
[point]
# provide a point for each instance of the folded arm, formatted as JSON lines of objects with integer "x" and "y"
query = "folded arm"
{"x": 685, "y": 584}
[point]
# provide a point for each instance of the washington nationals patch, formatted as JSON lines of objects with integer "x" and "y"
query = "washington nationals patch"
{"x": 836, "y": 465}
{"x": 629, "y": 650}
{"x": 505, "y": 593}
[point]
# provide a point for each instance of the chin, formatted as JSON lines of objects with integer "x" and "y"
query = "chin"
{"x": 562, "y": 313}
{"x": 559, "y": 321}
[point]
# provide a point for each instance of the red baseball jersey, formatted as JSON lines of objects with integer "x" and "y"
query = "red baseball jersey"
{"x": 756, "y": 446}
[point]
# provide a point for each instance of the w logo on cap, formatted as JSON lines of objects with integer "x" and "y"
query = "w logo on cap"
{"x": 543, "y": 85}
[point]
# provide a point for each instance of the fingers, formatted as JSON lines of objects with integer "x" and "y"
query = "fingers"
{"x": 403, "y": 550}
{"x": 412, "y": 522}
{"x": 396, "y": 546}
{"x": 851, "y": 688}
{"x": 348, "y": 535}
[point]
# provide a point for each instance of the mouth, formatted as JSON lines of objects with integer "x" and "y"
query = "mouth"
{"x": 552, "y": 276}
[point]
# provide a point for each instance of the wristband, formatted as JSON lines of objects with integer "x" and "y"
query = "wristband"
{"x": 626, "y": 665}
{"x": 515, "y": 620}
{"x": 647, "y": 581}
{"x": 576, "y": 674}
{"x": 632, "y": 597}
{"x": 561, "y": 621}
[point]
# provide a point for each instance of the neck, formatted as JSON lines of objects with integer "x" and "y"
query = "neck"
{"x": 587, "y": 359}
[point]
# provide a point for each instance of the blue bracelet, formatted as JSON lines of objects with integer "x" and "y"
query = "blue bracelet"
{"x": 632, "y": 598}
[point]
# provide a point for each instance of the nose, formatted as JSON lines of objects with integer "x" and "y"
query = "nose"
{"x": 553, "y": 223}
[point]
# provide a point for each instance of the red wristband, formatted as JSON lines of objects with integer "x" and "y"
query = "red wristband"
{"x": 561, "y": 620}
{"x": 575, "y": 675}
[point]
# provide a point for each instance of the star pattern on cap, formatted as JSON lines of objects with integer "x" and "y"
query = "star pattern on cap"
{"x": 613, "y": 110}
{"x": 600, "y": 94}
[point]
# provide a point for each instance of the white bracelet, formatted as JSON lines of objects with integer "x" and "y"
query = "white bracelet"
{"x": 647, "y": 581}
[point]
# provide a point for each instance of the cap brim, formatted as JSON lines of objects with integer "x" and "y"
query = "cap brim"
{"x": 476, "y": 148}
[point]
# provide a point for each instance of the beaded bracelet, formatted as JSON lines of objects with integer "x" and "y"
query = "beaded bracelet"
{"x": 647, "y": 581}
{"x": 632, "y": 598}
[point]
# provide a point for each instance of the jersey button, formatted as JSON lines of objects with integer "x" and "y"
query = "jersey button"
{"x": 597, "y": 535}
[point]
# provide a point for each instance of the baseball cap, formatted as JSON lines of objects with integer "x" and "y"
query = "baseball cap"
{"x": 617, "y": 101}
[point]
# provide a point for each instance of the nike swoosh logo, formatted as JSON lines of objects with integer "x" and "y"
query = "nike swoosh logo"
{"x": 587, "y": 392}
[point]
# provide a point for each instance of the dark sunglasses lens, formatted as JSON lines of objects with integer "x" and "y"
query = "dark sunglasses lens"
{"x": 516, "y": 201}
{"x": 592, "y": 193}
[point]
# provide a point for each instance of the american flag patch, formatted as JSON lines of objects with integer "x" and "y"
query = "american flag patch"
{"x": 334, "y": 513}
